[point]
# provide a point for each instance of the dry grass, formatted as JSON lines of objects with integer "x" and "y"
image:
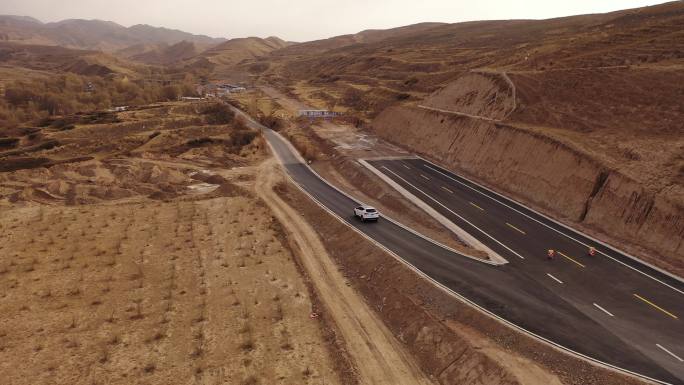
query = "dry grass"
{"x": 166, "y": 309}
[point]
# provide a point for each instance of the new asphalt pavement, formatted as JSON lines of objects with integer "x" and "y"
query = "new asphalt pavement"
{"x": 608, "y": 307}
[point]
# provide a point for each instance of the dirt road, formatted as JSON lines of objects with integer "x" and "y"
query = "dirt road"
{"x": 378, "y": 356}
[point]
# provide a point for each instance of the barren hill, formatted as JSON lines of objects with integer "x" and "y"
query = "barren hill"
{"x": 92, "y": 34}
{"x": 236, "y": 50}
{"x": 160, "y": 53}
{"x": 60, "y": 59}
{"x": 367, "y": 36}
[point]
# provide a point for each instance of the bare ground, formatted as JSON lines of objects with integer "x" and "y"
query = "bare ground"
{"x": 144, "y": 265}
{"x": 377, "y": 355}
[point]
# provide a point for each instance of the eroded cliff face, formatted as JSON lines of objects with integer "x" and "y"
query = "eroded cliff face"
{"x": 548, "y": 174}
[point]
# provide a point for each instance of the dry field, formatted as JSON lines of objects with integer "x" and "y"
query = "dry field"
{"x": 140, "y": 264}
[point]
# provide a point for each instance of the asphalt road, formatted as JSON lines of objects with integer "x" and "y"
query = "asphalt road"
{"x": 607, "y": 307}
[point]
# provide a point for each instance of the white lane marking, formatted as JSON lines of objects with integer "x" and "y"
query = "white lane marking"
{"x": 450, "y": 192}
{"x": 405, "y": 166}
{"x": 554, "y": 278}
{"x": 424, "y": 177}
{"x": 451, "y": 211}
{"x": 547, "y": 226}
{"x": 478, "y": 207}
{"x": 515, "y": 228}
{"x": 603, "y": 310}
{"x": 670, "y": 353}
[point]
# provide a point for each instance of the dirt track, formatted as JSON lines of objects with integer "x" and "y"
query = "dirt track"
{"x": 378, "y": 356}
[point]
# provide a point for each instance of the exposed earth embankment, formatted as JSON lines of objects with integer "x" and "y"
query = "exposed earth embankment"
{"x": 548, "y": 174}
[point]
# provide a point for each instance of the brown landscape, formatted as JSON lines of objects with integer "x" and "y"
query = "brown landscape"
{"x": 141, "y": 264}
{"x": 150, "y": 239}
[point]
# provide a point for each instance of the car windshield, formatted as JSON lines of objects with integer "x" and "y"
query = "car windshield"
{"x": 370, "y": 210}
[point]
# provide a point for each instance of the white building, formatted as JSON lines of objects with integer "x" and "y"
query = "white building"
{"x": 318, "y": 113}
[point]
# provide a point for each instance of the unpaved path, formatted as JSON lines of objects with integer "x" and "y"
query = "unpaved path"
{"x": 378, "y": 356}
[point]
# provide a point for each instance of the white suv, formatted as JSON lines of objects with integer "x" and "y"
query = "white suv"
{"x": 366, "y": 213}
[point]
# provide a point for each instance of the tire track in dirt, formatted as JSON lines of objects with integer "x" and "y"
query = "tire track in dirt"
{"x": 379, "y": 358}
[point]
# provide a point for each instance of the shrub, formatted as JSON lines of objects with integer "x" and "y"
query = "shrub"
{"x": 218, "y": 113}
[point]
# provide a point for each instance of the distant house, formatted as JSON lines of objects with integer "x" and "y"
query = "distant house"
{"x": 221, "y": 89}
{"x": 313, "y": 114}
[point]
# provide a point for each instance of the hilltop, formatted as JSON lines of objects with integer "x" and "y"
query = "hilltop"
{"x": 93, "y": 34}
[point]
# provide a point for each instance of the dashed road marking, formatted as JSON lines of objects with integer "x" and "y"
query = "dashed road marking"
{"x": 444, "y": 188}
{"x": 571, "y": 259}
{"x": 655, "y": 306}
{"x": 554, "y": 278}
{"x": 424, "y": 177}
{"x": 548, "y": 226}
{"x": 670, "y": 353}
{"x": 603, "y": 310}
{"x": 515, "y": 228}
{"x": 454, "y": 213}
{"x": 473, "y": 204}
{"x": 406, "y": 167}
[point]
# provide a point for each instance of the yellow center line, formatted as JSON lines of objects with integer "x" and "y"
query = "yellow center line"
{"x": 477, "y": 206}
{"x": 451, "y": 192}
{"x": 515, "y": 228}
{"x": 571, "y": 259}
{"x": 656, "y": 306}
{"x": 424, "y": 177}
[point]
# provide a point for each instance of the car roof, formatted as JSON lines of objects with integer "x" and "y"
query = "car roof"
{"x": 367, "y": 207}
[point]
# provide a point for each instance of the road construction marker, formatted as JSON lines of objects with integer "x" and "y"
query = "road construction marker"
{"x": 603, "y": 310}
{"x": 451, "y": 192}
{"x": 656, "y": 306}
{"x": 670, "y": 353}
{"x": 546, "y": 225}
{"x": 424, "y": 177}
{"x": 554, "y": 278}
{"x": 477, "y": 206}
{"x": 515, "y": 228}
{"x": 571, "y": 259}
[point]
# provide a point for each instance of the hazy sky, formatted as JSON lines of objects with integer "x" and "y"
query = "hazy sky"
{"x": 301, "y": 20}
